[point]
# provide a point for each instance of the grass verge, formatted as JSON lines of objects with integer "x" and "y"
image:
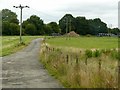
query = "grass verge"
{"x": 10, "y": 44}
{"x": 81, "y": 68}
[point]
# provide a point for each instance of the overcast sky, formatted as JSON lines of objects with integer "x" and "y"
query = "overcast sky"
{"x": 53, "y": 10}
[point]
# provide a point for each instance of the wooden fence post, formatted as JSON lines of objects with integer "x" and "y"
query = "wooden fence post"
{"x": 53, "y": 49}
{"x": 99, "y": 64}
{"x": 86, "y": 60}
{"x": 77, "y": 59}
{"x": 67, "y": 59}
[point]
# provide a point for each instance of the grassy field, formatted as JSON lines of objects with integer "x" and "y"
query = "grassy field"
{"x": 81, "y": 69}
{"x": 85, "y": 42}
{"x": 84, "y": 62}
{"x": 10, "y": 44}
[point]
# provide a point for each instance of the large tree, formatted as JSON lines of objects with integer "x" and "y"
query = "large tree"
{"x": 8, "y": 15}
{"x": 97, "y": 26}
{"x": 6, "y": 28}
{"x": 81, "y": 25}
{"x": 30, "y": 29}
{"x": 66, "y": 23}
{"x": 115, "y": 31}
{"x": 14, "y": 29}
{"x": 55, "y": 27}
{"x": 9, "y": 23}
{"x": 47, "y": 29}
{"x": 37, "y": 22}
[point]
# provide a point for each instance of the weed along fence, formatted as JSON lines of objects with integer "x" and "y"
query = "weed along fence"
{"x": 81, "y": 68}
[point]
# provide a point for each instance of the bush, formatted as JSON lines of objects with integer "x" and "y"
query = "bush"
{"x": 114, "y": 54}
{"x": 88, "y": 35}
{"x": 97, "y": 53}
{"x": 88, "y": 53}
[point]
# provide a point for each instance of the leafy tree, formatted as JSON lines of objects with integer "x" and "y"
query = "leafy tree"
{"x": 8, "y": 15}
{"x": 24, "y": 24}
{"x": 54, "y": 26}
{"x": 14, "y": 29}
{"x": 9, "y": 23}
{"x": 47, "y": 29}
{"x": 66, "y": 23}
{"x": 115, "y": 31}
{"x": 97, "y": 26}
{"x": 6, "y": 28}
{"x": 81, "y": 25}
{"x": 30, "y": 29}
{"x": 37, "y": 22}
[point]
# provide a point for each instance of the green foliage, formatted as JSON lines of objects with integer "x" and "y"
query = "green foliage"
{"x": 106, "y": 51}
{"x": 115, "y": 31}
{"x": 30, "y": 29}
{"x": 9, "y": 16}
{"x": 14, "y": 29}
{"x": 47, "y": 29}
{"x": 5, "y": 28}
{"x": 97, "y": 53}
{"x": 97, "y": 26}
{"x": 54, "y": 26}
{"x": 36, "y": 23}
{"x": 81, "y": 25}
{"x": 88, "y": 53}
{"x": 65, "y": 23}
{"x": 9, "y": 23}
{"x": 115, "y": 54}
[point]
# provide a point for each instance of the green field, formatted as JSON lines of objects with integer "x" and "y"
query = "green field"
{"x": 85, "y": 42}
{"x": 10, "y": 44}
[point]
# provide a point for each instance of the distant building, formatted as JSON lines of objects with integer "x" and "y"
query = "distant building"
{"x": 106, "y": 34}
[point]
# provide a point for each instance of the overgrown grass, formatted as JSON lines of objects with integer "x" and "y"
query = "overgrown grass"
{"x": 73, "y": 71}
{"x": 84, "y": 42}
{"x": 10, "y": 44}
{"x": 83, "y": 62}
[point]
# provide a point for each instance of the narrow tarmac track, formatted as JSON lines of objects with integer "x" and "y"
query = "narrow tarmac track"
{"x": 23, "y": 69}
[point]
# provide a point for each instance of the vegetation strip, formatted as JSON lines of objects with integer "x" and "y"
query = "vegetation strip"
{"x": 81, "y": 68}
{"x": 10, "y": 44}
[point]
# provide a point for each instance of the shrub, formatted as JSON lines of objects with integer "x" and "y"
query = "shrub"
{"x": 88, "y": 35}
{"x": 97, "y": 53}
{"x": 88, "y": 53}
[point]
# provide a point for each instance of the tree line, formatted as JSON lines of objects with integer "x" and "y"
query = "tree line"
{"x": 36, "y": 26}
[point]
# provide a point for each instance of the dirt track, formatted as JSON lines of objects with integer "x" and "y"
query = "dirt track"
{"x": 23, "y": 70}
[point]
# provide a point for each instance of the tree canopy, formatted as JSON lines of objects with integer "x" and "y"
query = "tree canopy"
{"x": 81, "y": 25}
{"x": 9, "y": 23}
{"x": 34, "y": 25}
{"x": 8, "y": 15}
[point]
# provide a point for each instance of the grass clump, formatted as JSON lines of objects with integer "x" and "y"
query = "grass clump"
{"x": 70, "y": 68}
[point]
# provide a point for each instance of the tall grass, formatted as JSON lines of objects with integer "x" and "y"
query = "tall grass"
{"x": 73, "y": 71}
{"x": 10, "y": 44}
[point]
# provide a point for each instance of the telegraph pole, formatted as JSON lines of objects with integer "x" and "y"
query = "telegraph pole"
{"x": 70, "y": 26}
{"x": 109, "y": 31}
{"x": 21, "y": 7}
{"x": 66, "y": 25}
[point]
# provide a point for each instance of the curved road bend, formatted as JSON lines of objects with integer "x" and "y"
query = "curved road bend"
{"x": 23, "y": 70}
